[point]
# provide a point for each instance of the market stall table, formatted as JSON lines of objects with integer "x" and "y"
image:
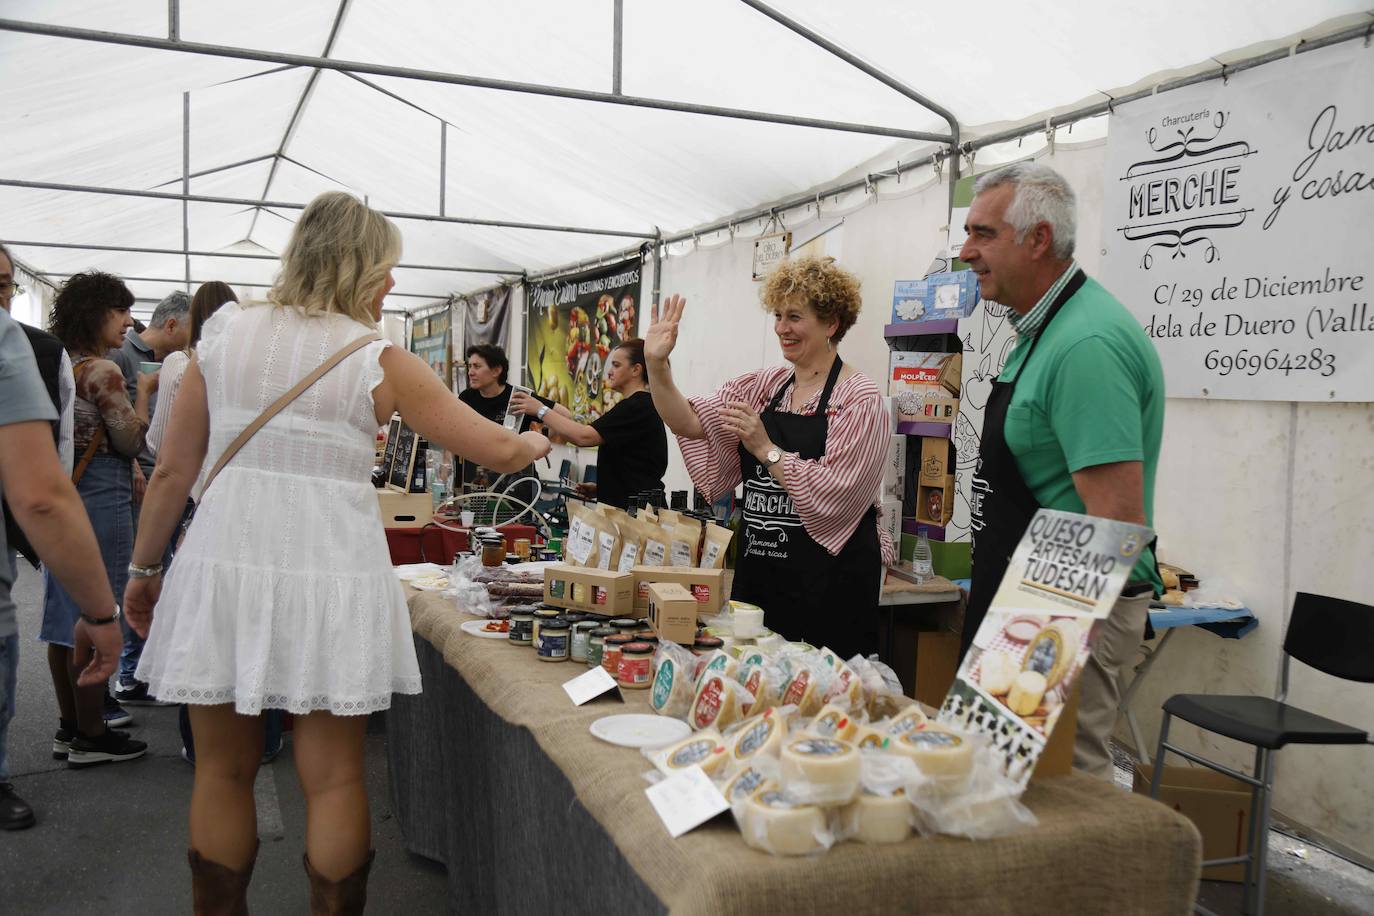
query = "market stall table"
{"x": 495, "y": 774}
{"x": 439, "y": 545}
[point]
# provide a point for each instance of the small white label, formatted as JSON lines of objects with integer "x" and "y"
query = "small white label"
{"x": 582, "y": 543}
{"x": 607, "y": 543}
{"x": 589, "y": 686}
{"x": 681, "y": 554}
{"x": 708, "y": 556}
{"x": 629, "y": 557}
{"x": 654, "y": 552}
{"x": 686, "y": 800}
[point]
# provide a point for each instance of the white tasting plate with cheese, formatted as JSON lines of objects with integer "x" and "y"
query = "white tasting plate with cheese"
{"x": 430, "y": 583}
{"x": 640, "y": 730}
{"x": 475, "y": 628}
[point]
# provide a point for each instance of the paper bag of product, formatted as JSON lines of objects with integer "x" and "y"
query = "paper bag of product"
{"x": 715, "y": 546}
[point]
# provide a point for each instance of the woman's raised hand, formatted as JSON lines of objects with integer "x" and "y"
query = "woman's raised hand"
{"x": 661, "y": 337}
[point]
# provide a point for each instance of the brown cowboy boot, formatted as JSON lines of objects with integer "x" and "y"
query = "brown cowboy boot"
{"x": 345, "y": 897}
{"x": 217, "y": 890}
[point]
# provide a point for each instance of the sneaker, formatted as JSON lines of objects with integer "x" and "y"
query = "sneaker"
{"x": 111, "y": 747}
{"x": 15, "y": 813}
{"x": 62, "y": 743}
{"x": 136, "y": 694}
{"x": 116, "y": 716}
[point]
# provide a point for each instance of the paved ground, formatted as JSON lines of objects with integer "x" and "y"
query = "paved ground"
{"x": 112, "y": 839}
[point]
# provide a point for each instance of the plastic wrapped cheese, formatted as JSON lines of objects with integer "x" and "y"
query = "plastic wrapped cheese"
{"x": 762, "y": 683}
{"x": 718, "y": 661}
{"x": 941, "y": 754}
{"x": 877, "y": 819}
{"x": 803, "y": 691}
{"x": 833, "y": 721}
{"x": 673, "y": 690}
{"x": 823, "y": 771}
{"x": 760, "y": 736}
{"x": 719, "y": 701}
{"x": 704, "y": 749}
{"x": 1026, "y": 692}
{"x": 746, "y": 782}
{"x": 775, "y": 822}
{"x": 846, "y": 689}
{"x": 907, "y": 720}
{"x": 871, "y": 738}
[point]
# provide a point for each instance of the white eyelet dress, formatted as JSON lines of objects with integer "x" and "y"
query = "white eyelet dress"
{"x": 282, "y": 594}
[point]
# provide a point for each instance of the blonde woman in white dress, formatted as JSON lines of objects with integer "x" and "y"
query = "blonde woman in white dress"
{"x": 282, "y": 594}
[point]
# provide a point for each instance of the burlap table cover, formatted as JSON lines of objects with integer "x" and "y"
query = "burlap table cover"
{"x": 1097, "y": 849}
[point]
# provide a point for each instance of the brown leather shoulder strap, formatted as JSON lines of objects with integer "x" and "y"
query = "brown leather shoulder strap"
{"x": 280, "y": 404}
{"x": 77, "y": 371}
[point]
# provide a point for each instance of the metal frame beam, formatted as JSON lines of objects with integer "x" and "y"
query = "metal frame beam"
{"x": 289, "y": 205}
{"x": 16, "y": 243}
{"x": 456, "y": 79}
{"x": 64, "y": 275}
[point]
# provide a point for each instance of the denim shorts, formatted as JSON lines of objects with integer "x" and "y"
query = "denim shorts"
{"x": 106, "y": 491}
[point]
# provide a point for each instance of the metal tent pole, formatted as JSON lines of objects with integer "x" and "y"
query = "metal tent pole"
{"x": 186, "y": 182}
{"x": 617, "y": 45}
{"x": 63, "y": 274}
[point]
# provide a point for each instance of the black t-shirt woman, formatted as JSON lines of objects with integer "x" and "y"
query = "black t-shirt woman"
{"x": 633, "y": 444}
{"x": 488, "y": 394}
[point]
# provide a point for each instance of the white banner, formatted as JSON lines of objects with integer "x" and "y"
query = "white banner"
{"x": 1238, "y": 225}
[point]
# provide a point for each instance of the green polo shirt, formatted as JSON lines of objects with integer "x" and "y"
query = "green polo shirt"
{"x": 1092, "y": 394}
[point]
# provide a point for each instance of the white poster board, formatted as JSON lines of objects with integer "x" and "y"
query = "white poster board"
{"x": 1238, "y": 225}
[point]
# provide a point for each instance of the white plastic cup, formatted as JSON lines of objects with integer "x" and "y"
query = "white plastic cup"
{"x": 468, "y": 517}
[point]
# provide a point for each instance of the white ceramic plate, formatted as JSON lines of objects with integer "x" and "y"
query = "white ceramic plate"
{"x": 640, "y": 730}
{"x": 474, "y": 628}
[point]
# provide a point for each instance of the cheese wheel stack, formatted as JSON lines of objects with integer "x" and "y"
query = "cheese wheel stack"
{"x": 673, "y": 690}
{"x": 704, "y": 749}
{"x": 719, "y": 701}
{"x": 760, "y": 736}
{"x": 833, "y": 721}
{"x": 774, "y": 822}
{"x": 877, "y": 819}
{"x": 821, "y": 770}
{"x": 939, "y": 753}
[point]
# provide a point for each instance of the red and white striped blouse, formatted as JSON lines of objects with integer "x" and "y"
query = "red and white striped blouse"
{"x": 831, "y": 493}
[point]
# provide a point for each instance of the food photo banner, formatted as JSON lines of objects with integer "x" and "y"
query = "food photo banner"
{"x": 572, "y": 325}
{"x": 1237, "y": 225}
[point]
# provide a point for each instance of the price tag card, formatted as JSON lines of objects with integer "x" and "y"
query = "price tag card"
{"x": 686, "y": 801}
{"x": 589, "y": 686}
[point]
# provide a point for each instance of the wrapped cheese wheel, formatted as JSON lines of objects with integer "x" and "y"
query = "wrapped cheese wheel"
{"x": 939, "y": 753}
{"x": 775, "y": 822}
{"x": 672, "y": 691}
{"x": 846, "y": 689}
{"x": 719, "y": 701}
{"x": 871, "y": 738}
{"x": 760, "y": 736}
{"x": 716, "y": 662}
{"x": 824, "y": 771}
{"x": 752, "y": 655}
{"x": 704, "y": 749}
{"x": 908, "y": 720}
{"x": 803, "y": 691}
{"x": 761, "y": 682}
{"x": 877, "y": 819}
{"x": 833, "y": 721}
{"x": 746, "y": 782}
{"x": 1026, "y": 692}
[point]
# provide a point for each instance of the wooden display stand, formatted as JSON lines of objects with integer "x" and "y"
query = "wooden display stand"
{"x": 405, "y": 510}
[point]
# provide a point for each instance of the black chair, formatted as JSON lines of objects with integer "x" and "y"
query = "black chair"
{"x": 1329, "y": 634}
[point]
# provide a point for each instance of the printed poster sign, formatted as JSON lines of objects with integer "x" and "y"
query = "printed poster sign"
{"x": 432, "y": 340}
{"x": 573, "y": 324}
{"x": 1237, "y": 220}
{"x": 1026, "y": 657}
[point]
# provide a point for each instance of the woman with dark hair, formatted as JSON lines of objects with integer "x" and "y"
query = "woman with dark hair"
{"x": 90, "y": 316}
{"x": 633, "y": 444}
{"x": 489, "y": 394}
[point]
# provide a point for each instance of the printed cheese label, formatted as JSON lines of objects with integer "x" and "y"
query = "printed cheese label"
{"x": 707, "y": 708}
{"x": 904, "y": 724}
{"x": 797, "y": 689}
{"x": 830, "y": 723}
{"x": 663, "y": 684}
{"x": 820, "y": 747}
{"x": 718, "y": 663}
{"x": 692, "y": 753}
{"x": 754, "y": 739}
{"x": 745, "y": 783}
{"x": 774, "y": 798}
{"x": 931, "y": 738}
{"x": 873, "y": 743}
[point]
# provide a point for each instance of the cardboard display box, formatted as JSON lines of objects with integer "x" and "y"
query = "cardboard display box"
{"x": 597, "y": 591}
{"x": 895, "y": 468}
{"x": 1218, "y": 806}
{"x": 935, "y": 505}
{"x": 405, "y": 510}
{"x": 938, "y": 296}
{"x": 672, "y": 612}
{"x": 936, "y": 460}
{"x": 706, "y": 585}
{"x": 890, "y": 518}
{"x": 925, "y": 386}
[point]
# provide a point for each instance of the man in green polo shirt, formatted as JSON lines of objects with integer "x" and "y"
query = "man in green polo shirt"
{"x": 1074, "y": 420}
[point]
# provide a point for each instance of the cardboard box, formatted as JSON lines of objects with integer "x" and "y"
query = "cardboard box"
{"x": 939, "y": 296}
{"x": 1057, "y": 757}
{"x": 935, "y": 463}
{"x": 935, "y": 505}
{"x": 925, "y": 386}
{"x": 890, "y": 517}
{"x": 706, "y": 585}
{"x": 597, "y": 591}
{"x": 405, "y": 510}
{"x": 1218, "y": 806}
{"x": 672, "y": 612}
{"x": 894, "y": 468}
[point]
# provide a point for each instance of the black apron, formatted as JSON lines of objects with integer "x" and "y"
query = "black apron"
{"x": 1002, "y": 505}
{"x": 808, "y": 594}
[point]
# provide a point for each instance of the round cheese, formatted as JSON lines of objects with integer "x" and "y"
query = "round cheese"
{"x": 760, "y": 682}
{"x": 830, "y": 658}
{"x": 803, "y": 693}
{"x": 705, "y": 750}
{"x": 718, "y": 661}
{"x": 910, "y": 719}
{"x": 747, "y": 782}
{"x": 1026, "y": 693}
{"x": 996, "y": 671}
{"x": 717, "y": 703}
{"x": 760, "y": 736}
{"x": 938, "y": 752}
{"x": 846, "y": 689}
{"x": 877, "y": 819}
{"x": 672, "y": 691}
{"x": 869, "y": 738}
{"x": 822, "y": 770}
{"x": 752, "y": 655}
{"x": 833, "y": 721}
{"x": 1052, "y": 651}
{"x": 772, "y": 821}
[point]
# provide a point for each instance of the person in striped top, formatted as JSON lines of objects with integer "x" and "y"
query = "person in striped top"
{"x": 807, "y": 441}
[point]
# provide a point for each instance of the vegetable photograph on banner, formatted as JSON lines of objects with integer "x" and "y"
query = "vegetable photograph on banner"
{"x": 573, "y": 324}
{"x": 1237, "y": 218}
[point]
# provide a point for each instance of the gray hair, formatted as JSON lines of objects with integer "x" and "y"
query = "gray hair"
{"x": 175, "y": 304}
{"x": 1041, "y": 196}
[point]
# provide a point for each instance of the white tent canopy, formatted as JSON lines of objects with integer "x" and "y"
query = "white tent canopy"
{"x": 102, "y": 114}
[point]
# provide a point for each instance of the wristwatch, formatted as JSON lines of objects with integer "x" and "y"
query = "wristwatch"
{"x": 101, "y": 621}
{"x": 542, "y": 412}
{"x": 772, "y": 457}
{"x": 144, "y": 572}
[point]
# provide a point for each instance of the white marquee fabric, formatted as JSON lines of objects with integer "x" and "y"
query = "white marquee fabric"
{"x": 78, "y": 112}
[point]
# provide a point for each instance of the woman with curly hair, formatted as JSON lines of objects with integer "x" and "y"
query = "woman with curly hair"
{"x": 90, "y": 316}
{"x": 808, "y": 441}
